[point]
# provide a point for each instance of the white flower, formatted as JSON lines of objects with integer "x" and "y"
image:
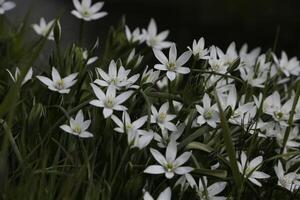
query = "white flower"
{"x": 135, "y": 136}
{"x": 162, "y": 118}
{"x": 248, "y": 59}
{"x": 280, "y": 113}
{"x": 44, "y": 28}
{"x": 116, "y": 78}
{"x": 172, "y": 65}
{"x": 216, "y": 63}
{"x": 230, "y": 56}
{"x": 57, "y": 83}
{"x": 6, "y": 6}
{"x": 249, "y": 74}
{"x": 249, "y": 169}
{"x": 109, "y": 101}
{"x": 288, "y": 67}
{"x": 86, "y": 11}
{"x": 169, "y": 165}
{"x": 27, "y": 77}
{"x": 153, "y": 39}
{"x": 289, "y": 181}
{"x": 164, "y": 195}
{"x": 134, "y": 36}
{"x": 164, "y": 140}
{"x": 127, "y": 125}
{"x": 207, "y": 192}
{"x": 208, "y": 113}
{"x": 150, "y": 76}
{"x": 78, "y": 126}
{"x": 199, "y": 50}
{"x": 89, "y": 60}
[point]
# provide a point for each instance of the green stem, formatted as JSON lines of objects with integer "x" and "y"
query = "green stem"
{"x": 81, "y": 32}
{"x": 291, "y": 118}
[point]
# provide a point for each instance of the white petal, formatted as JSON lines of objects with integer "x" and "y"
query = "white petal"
{"x": 123, "y": 97}
{"x": 98, "y": 92}
{"x": 154, "y": 169}
{"x": 98, "y": 15}
{"x": 182, "y": 70}
{"x": 158, "y": 156}
{"x": 160, "y": 56}
{"x": 171, "y": 151}
{"x": 182, "y": 159}
{"x": 140, "y": 122}
{"x": 183, "y": 170}
{"x": 171, "y": 75}
{"x": 79, "y": 116}
{"x": 8, "y": 5}
{"x": 107, "y": 112}
{"x": 76, "y": 14}
{"x": 55, "y": 75}
{"x": 216, "y": 188}
{"x": 66, "y": 128}
{"x": 165, "y": 195}
{"x": 173, "y": 53}
{"x": 160, "y": 67}
{"x": 45, "y": 80}
{"x": 97, "y": 103}
{"x": 96, "y": 7}
{"x": 86, "y": 134}
{"x": 183, "y": 58}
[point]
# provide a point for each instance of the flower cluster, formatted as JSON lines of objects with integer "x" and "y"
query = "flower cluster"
{"x": 228, "y": 119}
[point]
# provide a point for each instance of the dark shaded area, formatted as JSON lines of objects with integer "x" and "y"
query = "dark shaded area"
{"x": 219, "y": 21}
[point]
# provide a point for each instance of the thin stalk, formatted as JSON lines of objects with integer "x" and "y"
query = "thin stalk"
{"x": 81, "y": 33}
{"x": 291, "y": 118}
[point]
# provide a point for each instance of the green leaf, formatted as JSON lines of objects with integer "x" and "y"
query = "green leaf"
{"x": 199, "y": 146}
{"x": 208, "y": 172}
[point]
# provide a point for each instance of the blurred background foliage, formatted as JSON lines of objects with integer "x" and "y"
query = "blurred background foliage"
{"x": 218, "y": 21}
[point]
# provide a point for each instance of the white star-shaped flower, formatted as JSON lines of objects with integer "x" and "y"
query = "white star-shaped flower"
{"x": 116, "y": 78}
{"x": 44, "y": 28}
{"x": 109, "y": 101}
{"x": 86, "y": 11}
{"x": 162, "y": 118}
{"x": 78, "y": 126}
{"x": 6, "y": 6}
{"x": 153, "y": 39}
{"x": 250, "y": 169}
{"x": 208, "y": 113}
{"x": 57, "y": 83}
{"x": 169, "y": 164}
{"x": 173, "y": 65}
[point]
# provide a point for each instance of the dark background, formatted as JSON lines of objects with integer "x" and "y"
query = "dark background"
{"x": 219, "y": 21}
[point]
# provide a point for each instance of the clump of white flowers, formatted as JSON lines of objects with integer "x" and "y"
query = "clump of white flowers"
{"x": 156, "y": 122}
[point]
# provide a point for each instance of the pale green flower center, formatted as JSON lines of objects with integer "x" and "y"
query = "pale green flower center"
{"x": 203, "y": 195}
{"x": 278, "y": 115}
{"x": 208, "y": 114}
{"x": 161, "y": 117}
{"x": 129, "y": 126}
{"x": 60, "y": 84}
{"x": 77, "y": 129}
{"x": 248, "y": 171}
{"x": 114, "y": 80}
{"x": 171, "y": 66}
{"x": 109, "y": 102}
{"x": 153, "y": 41}
{"x": 86, "y": 13}
{"x": 169, "y": 167}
